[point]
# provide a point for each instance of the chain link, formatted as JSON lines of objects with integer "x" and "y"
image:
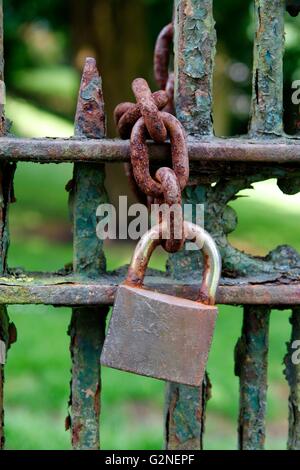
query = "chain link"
{"x": 140, "y": 155}
{"x": 127, "y": 114}
{"x": 162, "y": 56}
{"x": 152, "y": 117}
{"x": 173, "y": 239}
{"x": 162, "y": 53}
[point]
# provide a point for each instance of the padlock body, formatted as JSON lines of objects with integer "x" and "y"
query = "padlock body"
{"x": 160, "y": 336}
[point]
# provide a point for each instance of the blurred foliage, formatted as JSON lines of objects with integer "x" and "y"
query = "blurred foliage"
{"x": 31, "y": 29}
{"x": 45, "y": 40}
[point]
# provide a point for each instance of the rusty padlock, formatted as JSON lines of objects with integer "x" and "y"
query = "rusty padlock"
{"x": 158, "y": 335}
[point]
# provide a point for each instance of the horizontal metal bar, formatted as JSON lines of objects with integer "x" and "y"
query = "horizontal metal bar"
{"x": 110, "y": 150}
{"x": 72, "y": 291}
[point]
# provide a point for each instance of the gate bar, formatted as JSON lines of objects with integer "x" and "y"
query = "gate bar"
{"x": 6, "y": 196}
{"x": 280, "y": 150}
{"x": 267, "y": 88}
{"x": 195, "y": 45}
{"x": 251, "y": 365}
{"x": 266, "y": 120}
{"x": 292, "y": 374}
{"x": 87, "y": 328}
{"x": 51, "y": 289}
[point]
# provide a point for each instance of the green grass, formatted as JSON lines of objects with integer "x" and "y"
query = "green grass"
{"x": 37, "y": 385}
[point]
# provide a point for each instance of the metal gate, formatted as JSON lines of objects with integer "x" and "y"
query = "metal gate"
{"x": 258, "y": 284}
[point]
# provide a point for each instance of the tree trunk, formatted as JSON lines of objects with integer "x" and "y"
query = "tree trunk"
{"x": 114, "y": 32}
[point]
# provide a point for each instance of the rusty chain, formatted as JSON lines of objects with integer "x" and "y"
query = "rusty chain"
{"x": 127, "y": 114}
{"x": 165, "y": 79}
{"x": 140, "y": 155}
{"x": 148, "y": 118}
{"x": 171, "y": 197}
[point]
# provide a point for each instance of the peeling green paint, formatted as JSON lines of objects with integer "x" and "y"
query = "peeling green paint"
{"x": 267, "y": 93}
{"x": 87, "y": 336}
{"x": 195, "y": 40}
{"x": 89, "y": 193}
{"x": 87, "y": 328}
{"x": 185, "y": 416}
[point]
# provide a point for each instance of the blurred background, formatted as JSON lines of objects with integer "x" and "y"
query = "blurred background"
{"x": 45, "y": 47}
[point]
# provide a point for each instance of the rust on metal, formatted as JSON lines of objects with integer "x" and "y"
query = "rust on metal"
{"x": 147, "y": 327}
{"x": 193, "y": 61}
{"x": 184, "y": 427}
{"x": 267, "y": 81}
{"x": 249, "y": 151}
{"x": 251, "y": 366}
{"x": 87, "y": 328}
{"x": 171, "y": 197}
{"x": 164, "y": 78}
{"x": 148, "y": 243}
{"x": 71, "y": 290}
{"x": 122, "y": 109}
{"x": 127, "y": 114}
{"x": 292, "y": 375}
{"x": 140, "y": 155}
{"x": 162, "y": 56}
{"x": 194, "y": 53}
{"x": 149, "y": 111}
{"x": 90, "y": 115}
{"x": 148, "y": 120}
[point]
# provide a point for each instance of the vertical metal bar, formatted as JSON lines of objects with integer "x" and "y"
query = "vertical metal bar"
{"x": 267, "y": 92}
{"x": 266, "y": 119}
{"x": 195, "y": 40}
{"x": 185, "y": 415}
{"x": 292, "y": 374}
{"x": 251, "y": 365}
{"x": 87, "y": 327}
{"x": 6, "y": 196}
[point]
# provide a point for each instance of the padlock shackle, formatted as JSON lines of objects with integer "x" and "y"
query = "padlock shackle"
{"x": 193, "y": 233}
